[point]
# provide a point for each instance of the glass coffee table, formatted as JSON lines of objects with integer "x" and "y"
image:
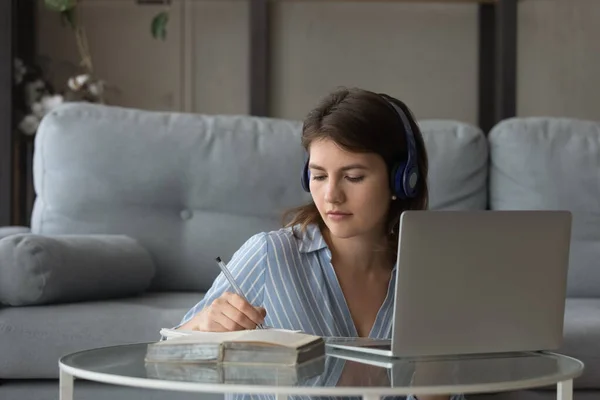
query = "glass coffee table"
{"x": 339, "y": 373}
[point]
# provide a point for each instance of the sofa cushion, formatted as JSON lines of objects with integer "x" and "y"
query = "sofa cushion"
{"x": 32, "y": 339}
{"x": 188, "y": 187}
{"x": 458, "y": 165}
{"x": 553, "y": 163}
{"x": 36, "y": 269}
{"x": 6, "y": 231}
{"x": 192, "y": 187}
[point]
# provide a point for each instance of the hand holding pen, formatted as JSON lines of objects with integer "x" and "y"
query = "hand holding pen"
{"x": 228, "y": 312}
{"x": 238, "y": 291}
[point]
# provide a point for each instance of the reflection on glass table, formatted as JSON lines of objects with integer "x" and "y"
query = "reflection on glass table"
{"x": 339, "y": 373}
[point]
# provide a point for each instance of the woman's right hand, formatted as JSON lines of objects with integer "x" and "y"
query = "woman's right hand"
{"x": 229, "y": 312}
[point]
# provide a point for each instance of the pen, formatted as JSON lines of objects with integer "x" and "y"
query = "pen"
{"x": 233, "y": 283}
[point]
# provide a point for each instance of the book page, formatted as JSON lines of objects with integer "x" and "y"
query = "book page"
{"x": 173, "y": 333}
{"x": 197, "y": 336}
{"x": 279, "y": 337}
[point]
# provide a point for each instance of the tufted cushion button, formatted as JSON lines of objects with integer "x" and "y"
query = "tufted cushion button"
{"x": 186, "y": 214}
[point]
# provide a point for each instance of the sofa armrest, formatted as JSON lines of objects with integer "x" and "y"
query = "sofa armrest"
{"x": 6, "y": 231}
{"x": 36, "y": 269}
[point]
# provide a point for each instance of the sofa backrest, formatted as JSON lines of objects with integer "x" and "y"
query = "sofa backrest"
{"x": 548, "y": 164}
{"x": 193, "y": 187}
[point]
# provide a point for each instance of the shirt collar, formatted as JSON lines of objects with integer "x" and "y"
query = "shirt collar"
{"x": 310, "y": 240}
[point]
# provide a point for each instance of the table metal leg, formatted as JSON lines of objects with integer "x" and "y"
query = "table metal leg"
{"x": 371, "y": 397}
{"x": 564, "y": 390}
{"x": 281, "y": 397}
{"x": 65, "y": 385}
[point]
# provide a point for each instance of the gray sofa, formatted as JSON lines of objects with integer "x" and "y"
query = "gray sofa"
{"x": 188, "y": 188}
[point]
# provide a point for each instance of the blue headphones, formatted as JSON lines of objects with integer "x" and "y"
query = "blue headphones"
{"x": 404, "y": 175}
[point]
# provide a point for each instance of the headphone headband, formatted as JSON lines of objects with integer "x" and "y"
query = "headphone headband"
{"x": 405, "y": 174}
{"x": 410, "y": 137}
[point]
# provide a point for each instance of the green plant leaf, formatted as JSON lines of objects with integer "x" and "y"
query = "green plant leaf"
{"x": 68, "y": 17}
{"x": 159, "y": 25}
{"x": 60, "y": 5}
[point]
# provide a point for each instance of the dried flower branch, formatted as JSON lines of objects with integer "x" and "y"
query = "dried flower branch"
{"x": 34, "y": 97}
{"x": 92, "y": 88}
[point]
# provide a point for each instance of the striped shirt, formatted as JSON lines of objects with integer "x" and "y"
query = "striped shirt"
{"x": 292, "y": 277}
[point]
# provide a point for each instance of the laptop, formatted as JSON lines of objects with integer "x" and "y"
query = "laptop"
{"x": 476, "y": 282}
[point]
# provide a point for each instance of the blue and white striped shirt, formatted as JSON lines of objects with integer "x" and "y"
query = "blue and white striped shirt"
{"x": 292, "y": 277}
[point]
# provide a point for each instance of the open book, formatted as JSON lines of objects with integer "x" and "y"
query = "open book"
{"x": 256, "y": 346}
{"x": 174, "y": 333}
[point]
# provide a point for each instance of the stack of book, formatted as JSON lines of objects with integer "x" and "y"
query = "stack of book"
{"x": 259, "y": 356}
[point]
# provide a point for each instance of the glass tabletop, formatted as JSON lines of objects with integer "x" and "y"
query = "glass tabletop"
{"x": 338, "y": 372}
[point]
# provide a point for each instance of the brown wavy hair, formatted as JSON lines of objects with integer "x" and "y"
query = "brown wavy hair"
{"x": 362, "y": 121}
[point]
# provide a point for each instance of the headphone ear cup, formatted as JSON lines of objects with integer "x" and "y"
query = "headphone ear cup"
{"x": 396, "y": 180}
{"x": 410, "y": 180}
{"x": 305, "y": 178}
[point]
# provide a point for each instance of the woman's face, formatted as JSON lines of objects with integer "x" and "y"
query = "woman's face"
{"x": 350, "y": 190}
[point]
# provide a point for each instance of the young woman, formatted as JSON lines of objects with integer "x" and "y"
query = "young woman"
{"x": 330, "y": 271}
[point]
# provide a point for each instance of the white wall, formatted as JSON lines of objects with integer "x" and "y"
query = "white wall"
{"x": 559, "y": 58}
{"x": 425, "y": 54}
